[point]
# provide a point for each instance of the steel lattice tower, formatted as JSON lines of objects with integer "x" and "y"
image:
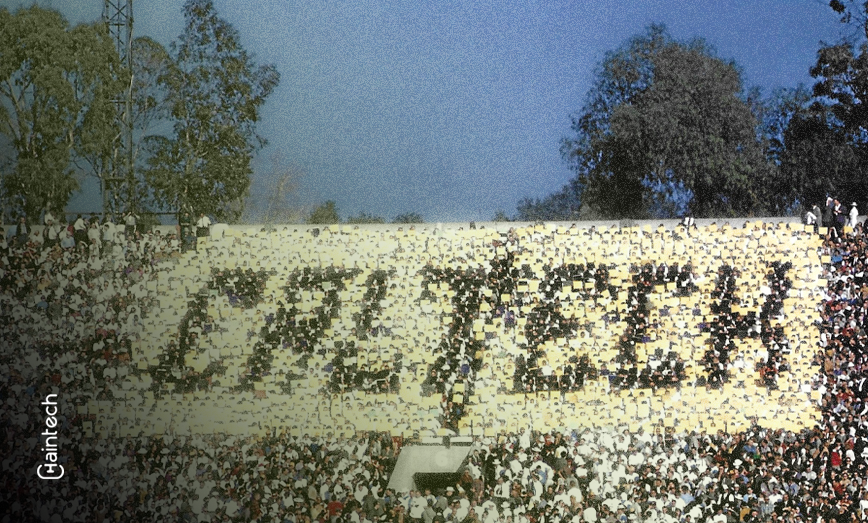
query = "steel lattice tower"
{"x": 118, "y": 16}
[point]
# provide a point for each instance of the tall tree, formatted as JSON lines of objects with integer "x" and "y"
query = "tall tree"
{"x": 781, "y": 114}
{"x": 364, "y": 217}
{"x": 666, "y": 116}
{"x": 853, "y": 13}
{"x": 409, "y": 217}
{"x": 99, "y": 91}
{"x": 840, "y": 108}
{"x": 215, "y": 92}
{"x": 561, "y": 205}
{"x": 818, "y": 160}
{"x": 151, "y": 63}
{"x": 55, "y": 89}
{"x": 271, "y": 202}
{"x": 500, "y": 216}
{"x": 325, "y": 214}
{"x": 841, "y": 72}
{"x": 775, "y": 112}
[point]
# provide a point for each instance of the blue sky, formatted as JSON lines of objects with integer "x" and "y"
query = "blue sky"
{"x": 456, "y": 109}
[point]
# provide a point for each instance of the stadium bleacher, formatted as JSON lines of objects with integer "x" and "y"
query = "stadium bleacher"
{"x": 344, "y": 335}
{"x": 408, "y": 317}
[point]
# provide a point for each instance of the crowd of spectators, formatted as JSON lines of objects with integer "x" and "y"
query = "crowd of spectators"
{"x": 833, "y": 216}
{"x": 69, "y": 299}
{"x": 67, "y": 306}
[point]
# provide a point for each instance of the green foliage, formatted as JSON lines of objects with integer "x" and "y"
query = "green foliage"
{"x": 56, "y": 86}
{"x": 808, "y": 154}
{"x": 214, "y": 94}
{"x": 853, "y": 13}
{"x": 820, "y": 139}
{"x": 151, "y": 63}
{"x": 96, "y": 139}
{"x": 818, "y": 160}
{"x": 840, "y": 107}
{"x": 562, "y": 205}
{"x": 409, "y": 217}
{"x": 664, "y": 113}
{"x": 775, "y": 113}
{"x": 841, "y": 91}
{"x": 325, "y": 214}
{"x": 500, "y": 216}
{"x": 364, "y": 217}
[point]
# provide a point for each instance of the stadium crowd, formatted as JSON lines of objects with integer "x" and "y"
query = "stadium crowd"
{"x": 67, "y": 299}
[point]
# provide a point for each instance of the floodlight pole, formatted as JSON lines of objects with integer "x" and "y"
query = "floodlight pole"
{"x": 118, "y": 17}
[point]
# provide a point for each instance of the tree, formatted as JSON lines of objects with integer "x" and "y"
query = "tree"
{"x": 818, "y": 160}
{"x": 215, "y": 92}
{"x": 775, "y": 112}
{"x": 818, "y": 138}
{"x": 666, "y": 117}
{"x": 500, "y": 216}
{"x": 409, "y": 217}
{"x": 56, "y": 84}
{"x": 271, "y": 203}
{"x": 562, "y": 205}
{"x": 835, "y": 133}
{"x": 810, "y": 156}
{"x": 325, "y": 214}
{"x": 842, "y": 87}
{"x": 95, "y": 140}
{"x": 364, "y": 217}
{"x": 151, "y": 107}
{"x": 853, "y": 13}
{"x": 151, "y": 65}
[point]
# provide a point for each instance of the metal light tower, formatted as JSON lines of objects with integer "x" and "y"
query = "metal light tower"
{"x": 118, "y": 16}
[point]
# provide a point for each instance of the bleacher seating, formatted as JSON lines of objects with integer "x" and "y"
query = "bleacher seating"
{"x": 263, "y": 347}
{"x": 412, "y": 324}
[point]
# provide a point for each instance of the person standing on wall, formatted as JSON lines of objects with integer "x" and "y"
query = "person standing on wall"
{"x": 203, "y": 228}
{"x": 22, "y": 232}
{"x": 130, "y": 226}
{"x": 187, "y": 232}
{"x": 52, "y": 231}
{"x": 79, "y": 229}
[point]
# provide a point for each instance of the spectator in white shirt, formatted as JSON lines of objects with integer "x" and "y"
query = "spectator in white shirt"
{"x": 203, "y": 229}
